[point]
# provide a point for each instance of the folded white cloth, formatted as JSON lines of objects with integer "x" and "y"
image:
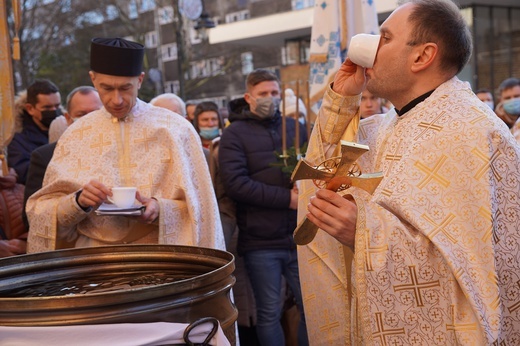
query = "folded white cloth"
{"x": 123, "y": 334}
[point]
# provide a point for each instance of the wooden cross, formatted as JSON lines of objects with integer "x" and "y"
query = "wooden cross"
{"x": 350, "y": 152}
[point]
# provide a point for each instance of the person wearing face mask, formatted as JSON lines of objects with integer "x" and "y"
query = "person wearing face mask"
{"x": 266, "y": 201}
{"x": 207, "y": 122}
{"x": 509, "y": 107}
{"x": 486, "y": 96}
{"x": 42, "y": 106}
{"x": 290, "y": 106}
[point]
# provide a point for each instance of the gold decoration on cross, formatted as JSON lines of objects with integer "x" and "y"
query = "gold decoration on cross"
{"x": 382, "y": 333}
{"x": 334, "y": 174}
{"x": 100, "y": 144}
{"x": 169, "y": 159}
{"x": 146, "y": 140}
{"x": 62, "y": 152}
{"x": 415, "y": 286}
{"x": 150, "y": 185}
{"x": 81, "y": 130}
{"x": 459, "y": 327}
{"x": 80, "y": 168}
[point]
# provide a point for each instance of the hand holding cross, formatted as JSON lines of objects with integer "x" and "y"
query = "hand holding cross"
{"x": 350, "y": 152}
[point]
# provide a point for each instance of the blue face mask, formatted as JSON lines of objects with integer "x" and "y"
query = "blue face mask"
{"x": 490, "y": 104}
{"x": 209, "y": 132}
{"x": 512, "y": 106}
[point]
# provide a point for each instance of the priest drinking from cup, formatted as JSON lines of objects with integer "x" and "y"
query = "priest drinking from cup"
{"x": 126, "y": 143}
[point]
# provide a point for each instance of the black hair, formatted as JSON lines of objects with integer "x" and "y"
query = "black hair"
{"x": 40, "y": 87}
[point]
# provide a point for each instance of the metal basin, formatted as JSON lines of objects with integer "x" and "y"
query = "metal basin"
{"x": 118, "y": 284}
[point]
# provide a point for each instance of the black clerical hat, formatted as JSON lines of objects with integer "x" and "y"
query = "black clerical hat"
{"x": 116, "y": 57}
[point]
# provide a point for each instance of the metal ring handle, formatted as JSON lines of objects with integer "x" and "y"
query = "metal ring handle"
{"x": 199, "y": 322}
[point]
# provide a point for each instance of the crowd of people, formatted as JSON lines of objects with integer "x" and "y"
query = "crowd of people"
{"x": 432, "y": 254}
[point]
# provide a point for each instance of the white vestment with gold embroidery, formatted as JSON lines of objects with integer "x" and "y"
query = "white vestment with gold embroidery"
{"x": 155, "y": 150}
{"x": 437, "y": 250}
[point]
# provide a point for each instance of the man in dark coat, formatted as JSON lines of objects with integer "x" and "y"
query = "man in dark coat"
{"x": 265, "y": 198}
{"x": 41, "y": 108}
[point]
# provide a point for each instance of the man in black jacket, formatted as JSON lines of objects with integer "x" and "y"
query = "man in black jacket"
{"x": 41, "y": 108}
{"x": 266, "y": 200}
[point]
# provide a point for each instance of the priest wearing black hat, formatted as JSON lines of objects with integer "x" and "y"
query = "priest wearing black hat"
{"x": 126, "y": 143}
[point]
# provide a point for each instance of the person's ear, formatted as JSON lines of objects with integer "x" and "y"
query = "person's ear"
{"x": 29, "y": 108}
{"x": 140, "y": 80}
{"x": 68, "y": 118}
{"x": 248, "y": 98}
{"x": 92, "y": 77}
{"x": 425, "y": 56}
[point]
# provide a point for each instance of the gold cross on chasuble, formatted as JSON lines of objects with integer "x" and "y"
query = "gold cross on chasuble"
{"x": 101, "y": 143}
{"x": 81, "y": 130}
{"x": 415, "y": 286}
{"x": 146, "y": 140}
{"x": 382, "y": 333}
{"x": 454, "y": 327}
{"x": 80, "y": 168}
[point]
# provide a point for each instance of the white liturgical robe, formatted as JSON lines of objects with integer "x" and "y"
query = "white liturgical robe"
{"x": 156, "y": 151}
{"x": 437, "y": 249}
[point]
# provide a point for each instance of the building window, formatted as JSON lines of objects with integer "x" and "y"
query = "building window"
{"x": 247, "y": 62}
{"x": 206, "y": 68}
{"x": 165, "y": 15}
{"x": 193, "y": 34}
{"x": 296, "y": 51}
{"x": 301, "y": 4}
{"x": 172, "y": 87}
{"x": 496, "y": 49}
{"x": 150, "y": 39}
{"x": 237, "y": 16}
{"x": 169, "y": 52}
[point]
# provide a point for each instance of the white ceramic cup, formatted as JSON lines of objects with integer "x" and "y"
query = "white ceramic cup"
{"x": 362, "y": 49}
{"x": 123, "y": 197}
